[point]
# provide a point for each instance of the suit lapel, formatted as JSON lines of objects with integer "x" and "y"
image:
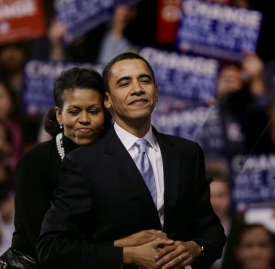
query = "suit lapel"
{"x": 122, "y": 164}
{"x": 171, "y": 163}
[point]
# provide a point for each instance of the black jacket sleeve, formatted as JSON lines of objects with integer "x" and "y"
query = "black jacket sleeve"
{"x": 66, "y": 239}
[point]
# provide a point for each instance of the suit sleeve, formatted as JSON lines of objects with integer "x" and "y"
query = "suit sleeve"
{"x": 208, "y": 233}
{"x": 66, "y": 239}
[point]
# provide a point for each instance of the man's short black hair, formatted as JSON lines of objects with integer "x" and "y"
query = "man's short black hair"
{"x": 124, "y": 56}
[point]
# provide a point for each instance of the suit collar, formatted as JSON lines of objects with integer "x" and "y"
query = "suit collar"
{"x": 129, "y": 140}
{"x": 124, "y": 166}
{"x": 171, "y": 163}
{"x": 120, "y": 161}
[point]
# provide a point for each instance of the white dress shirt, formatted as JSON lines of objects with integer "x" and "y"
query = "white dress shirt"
{"x": 154, "y": 154}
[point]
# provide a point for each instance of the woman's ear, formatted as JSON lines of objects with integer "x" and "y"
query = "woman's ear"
{"x": 58, "y": 115}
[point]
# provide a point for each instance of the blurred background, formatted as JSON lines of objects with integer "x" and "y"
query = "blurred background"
{"x": 214, "y": 63}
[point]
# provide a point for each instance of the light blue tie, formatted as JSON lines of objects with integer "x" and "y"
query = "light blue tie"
{"x": 144, "y": 166}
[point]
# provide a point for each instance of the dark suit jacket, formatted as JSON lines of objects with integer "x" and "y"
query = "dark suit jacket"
{"x": 102, "y": 197}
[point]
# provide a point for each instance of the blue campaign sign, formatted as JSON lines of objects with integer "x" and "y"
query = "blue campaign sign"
{"x": 200, "y": 123}
{"x": 254, "y": 185}
{"x": 216, "y": 30}
{"x": 80, "y": 16}
{"x": 189, "y": 77}
{"x": 39, "y": 80}
{"x": 212, "y": 136}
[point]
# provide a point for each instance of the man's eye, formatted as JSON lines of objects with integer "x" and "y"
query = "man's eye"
{"x": 146, "y": 81}
{"x": 123, "y": 84}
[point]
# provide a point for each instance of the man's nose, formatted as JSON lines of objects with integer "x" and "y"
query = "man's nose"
{"x": 137, "y": 87}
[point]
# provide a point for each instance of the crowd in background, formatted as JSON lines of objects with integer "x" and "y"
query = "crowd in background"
{"x": 244, "y": 96}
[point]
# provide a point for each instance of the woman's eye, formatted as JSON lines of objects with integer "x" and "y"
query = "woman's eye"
{"x": 73, "y": 112}
{"x": 93, "y": 112}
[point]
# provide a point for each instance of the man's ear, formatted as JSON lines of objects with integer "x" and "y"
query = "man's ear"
{"x": 157, "y": 93}
{"x": 107, "y": 101}
{"x": 58, "y": 115}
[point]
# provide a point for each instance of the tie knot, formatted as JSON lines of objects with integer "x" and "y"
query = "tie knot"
{"x": 142, "y": 145}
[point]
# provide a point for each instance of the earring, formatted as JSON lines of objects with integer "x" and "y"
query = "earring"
{"x": 61, "y": 126}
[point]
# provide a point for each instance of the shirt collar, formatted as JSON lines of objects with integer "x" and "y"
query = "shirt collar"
{"x": 128, "y": 140}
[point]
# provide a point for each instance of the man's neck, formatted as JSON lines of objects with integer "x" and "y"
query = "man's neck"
{"x": 138, "y": 130}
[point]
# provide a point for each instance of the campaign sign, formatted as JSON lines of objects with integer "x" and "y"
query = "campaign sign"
{"x": 39, "y": 80}
{"x": 168, "y": 18}
{"x": 189, "y": 77}
{"x": 211, "y": 136}
{"x": 216, "y": 30}
{"x": 254, "y": 185}
{"x": 200, "y": 123}
{"x": 20, "y": 20}
{"x": 80, "y": 16}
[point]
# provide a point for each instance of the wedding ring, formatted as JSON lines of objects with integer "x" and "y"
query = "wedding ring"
{"x": 180, "y": 258}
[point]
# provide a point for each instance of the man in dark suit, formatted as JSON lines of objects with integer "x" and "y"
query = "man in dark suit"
{"x": 103, "y": 214}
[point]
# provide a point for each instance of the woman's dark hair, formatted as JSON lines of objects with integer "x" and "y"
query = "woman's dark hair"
{"x": 247, "y": 227}
{"x": 71, "y": 79}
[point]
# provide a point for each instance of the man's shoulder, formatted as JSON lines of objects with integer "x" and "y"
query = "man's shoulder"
{"x": 88, "y": 150}
{"x": 177, "y": 140}
{"x": 179, "y": 144}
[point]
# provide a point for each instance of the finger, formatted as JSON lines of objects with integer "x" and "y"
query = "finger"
{"x": 160, "y": 242}
{"x": 165, "y": 263}
{"x": 152, "y": 231}
{"x": 161, "y": 235}
{"x": 165, "y": 250}
{"x": 155, "y": 232}
{"x": 158, "y": 232}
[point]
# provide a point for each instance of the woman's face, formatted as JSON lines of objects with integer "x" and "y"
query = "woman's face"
{"x": 82, "y": 116}
{"x": 255, "y": 249}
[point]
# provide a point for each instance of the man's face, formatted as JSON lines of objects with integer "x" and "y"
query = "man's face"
{"x": 133, "y": 93}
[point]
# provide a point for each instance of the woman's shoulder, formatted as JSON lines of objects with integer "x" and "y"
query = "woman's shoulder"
{"x": 40, "y": 152}
{"x": 38, "y": 166}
